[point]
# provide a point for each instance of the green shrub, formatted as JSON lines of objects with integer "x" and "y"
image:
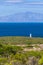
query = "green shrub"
{"x": 41, "y": 61}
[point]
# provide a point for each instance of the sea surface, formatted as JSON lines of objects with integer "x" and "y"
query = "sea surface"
{"x": 21, "y": 29}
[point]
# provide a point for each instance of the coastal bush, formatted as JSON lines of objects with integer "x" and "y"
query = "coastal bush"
{"x": 41, "y": 61}
{"x": 12, "y": 54}
{"x": 33, "y": 53}
{"x": 3, "y": 61}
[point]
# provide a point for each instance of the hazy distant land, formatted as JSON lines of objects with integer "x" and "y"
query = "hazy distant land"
{"x": 21, "y": 12}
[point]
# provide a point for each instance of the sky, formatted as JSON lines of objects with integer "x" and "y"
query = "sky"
{"x": 23, "y": 0}
{"x": 6, "y": 10}
{"x": 13, "y": 0}
{"x": 34, "y": 0}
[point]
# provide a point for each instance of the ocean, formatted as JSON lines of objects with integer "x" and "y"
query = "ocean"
{"x": 21, "y": 29}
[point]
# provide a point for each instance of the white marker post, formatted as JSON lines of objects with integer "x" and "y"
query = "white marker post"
{"x": 30, "y": 35}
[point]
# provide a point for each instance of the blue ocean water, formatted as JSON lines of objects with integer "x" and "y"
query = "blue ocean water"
{"x": 21, "y": 29}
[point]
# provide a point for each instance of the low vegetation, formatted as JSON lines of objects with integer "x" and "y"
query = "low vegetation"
{"x": 12, "y": 51}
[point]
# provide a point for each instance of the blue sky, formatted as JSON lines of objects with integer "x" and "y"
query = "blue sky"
{"x": 24, "y": 0}
{"x": 6, "y": 10}
{"x": 32, "y": 0}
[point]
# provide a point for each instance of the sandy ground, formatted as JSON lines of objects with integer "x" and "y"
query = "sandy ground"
{"x": 39, "y": 48}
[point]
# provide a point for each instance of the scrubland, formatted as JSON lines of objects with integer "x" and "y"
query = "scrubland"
{"x": 16, "y": 50}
